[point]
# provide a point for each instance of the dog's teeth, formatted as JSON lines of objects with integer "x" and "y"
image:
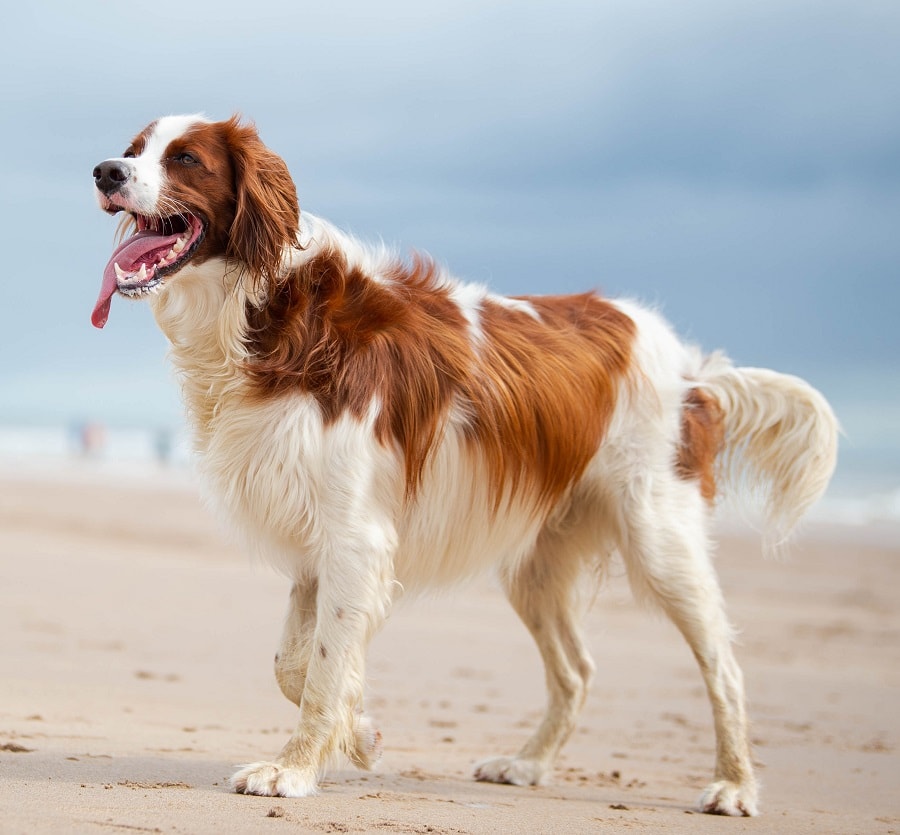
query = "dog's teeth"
{"x": 179, "y": 245}
{"x": 120, "y": 273}
{"x": 142, "y": 273}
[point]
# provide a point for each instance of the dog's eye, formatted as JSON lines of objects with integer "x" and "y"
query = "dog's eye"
{"x": 129, "y": 153}
{"x": 186, "y": 159}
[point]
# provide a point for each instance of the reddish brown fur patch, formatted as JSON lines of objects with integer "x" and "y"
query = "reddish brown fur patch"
{"x": 331, "y": 331}
{"x": 702, "y": 438}
{"x": 267, "y": 214}
{"x": 538, "y": 395}
{"x": 546, "y": 390}
{"x": 136, "y": 148}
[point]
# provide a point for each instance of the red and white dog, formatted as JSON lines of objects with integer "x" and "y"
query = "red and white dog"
{"x": 371, "y": 424}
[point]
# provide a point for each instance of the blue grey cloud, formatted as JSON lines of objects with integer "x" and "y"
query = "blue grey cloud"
{"x": 738, "y": 164}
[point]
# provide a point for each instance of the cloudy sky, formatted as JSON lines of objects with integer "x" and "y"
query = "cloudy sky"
{"x": 737, "y": 164}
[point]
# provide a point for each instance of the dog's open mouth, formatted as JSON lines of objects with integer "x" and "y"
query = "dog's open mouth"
{"x": 160, "y": 246}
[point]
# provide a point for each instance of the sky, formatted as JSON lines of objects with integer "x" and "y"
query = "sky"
{"x": 735, "y": 164}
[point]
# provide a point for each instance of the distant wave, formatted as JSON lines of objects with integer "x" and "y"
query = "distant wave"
{"x": 861, "y": 510}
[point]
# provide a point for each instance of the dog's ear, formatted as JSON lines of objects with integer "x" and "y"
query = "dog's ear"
{"x": 267, "y": 214}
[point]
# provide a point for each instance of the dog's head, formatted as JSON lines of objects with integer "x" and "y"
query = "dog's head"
{"x": 194, "y": 190}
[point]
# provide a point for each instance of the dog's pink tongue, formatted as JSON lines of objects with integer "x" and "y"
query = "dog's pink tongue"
{"x": 140, "y": 247}
{"x": 104, "y": 300}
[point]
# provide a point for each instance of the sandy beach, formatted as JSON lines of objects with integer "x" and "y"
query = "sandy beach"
{"x": 136, "y": 649}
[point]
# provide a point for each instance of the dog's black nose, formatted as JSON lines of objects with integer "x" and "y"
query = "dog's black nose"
{"x": 110, "y": 176}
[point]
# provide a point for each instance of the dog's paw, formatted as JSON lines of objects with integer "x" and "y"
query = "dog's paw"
{"x": 726, "y": 798}
{"x": 367, "y": 744}
{"x": 513, "y": 770}
{"x": 273, "y": 780}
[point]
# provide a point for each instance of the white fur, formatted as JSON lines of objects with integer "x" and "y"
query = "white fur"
{"x": 469, "y": 299}
{"x": 326, "y": 504}
{"x": 762, "y": 405}
{"x": 519, "y": 305}
{"x": 146, "y": 182}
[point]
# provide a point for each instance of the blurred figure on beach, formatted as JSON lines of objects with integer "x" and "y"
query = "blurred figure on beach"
{"x": 90, "y": 439}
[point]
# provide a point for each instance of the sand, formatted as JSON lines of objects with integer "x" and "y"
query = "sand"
{"x": 136, "y": 648}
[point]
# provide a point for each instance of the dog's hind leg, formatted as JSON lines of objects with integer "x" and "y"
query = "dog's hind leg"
{"x": 666, "y": 553}
{"x": 543, "y": 594}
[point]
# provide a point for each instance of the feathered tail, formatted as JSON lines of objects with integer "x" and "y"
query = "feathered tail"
{"x": 781, "y": 440}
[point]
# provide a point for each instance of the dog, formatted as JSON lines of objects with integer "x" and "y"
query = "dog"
{"x": 370, "y": 423}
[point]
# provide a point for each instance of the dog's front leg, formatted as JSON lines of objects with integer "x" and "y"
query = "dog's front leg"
{"x": 292, "y": 658}
{"x": 352, "y": 600}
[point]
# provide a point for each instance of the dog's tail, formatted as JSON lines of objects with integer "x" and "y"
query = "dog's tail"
{"x": 780, "y": 443}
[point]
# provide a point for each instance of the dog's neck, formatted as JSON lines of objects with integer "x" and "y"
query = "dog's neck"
{"x": 196, "y": 313}
{"x": 203, "y": 314}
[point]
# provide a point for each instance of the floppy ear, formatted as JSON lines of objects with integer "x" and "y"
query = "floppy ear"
{"x": 267, "y": 215}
